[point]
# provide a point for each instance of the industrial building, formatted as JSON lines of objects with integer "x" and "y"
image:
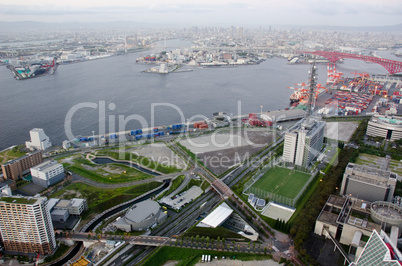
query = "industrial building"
{"x": 223, "y": 216}
{"x": 39, "y": 140}
{"x": 74, "y": 206}
{"x": 283, "y": 115}
{"x": 141, "y": 216}
{"x": 388, "y": 127}
{"x": 303, "y": 143}
{"x": 368, "y": 183}
{"x": 17, "y": 168}
{"x": 217, "y": 216}
{"x": 47, "y": 174}
{"x": 26, "y": 226}
{"x": 63, "y": 211}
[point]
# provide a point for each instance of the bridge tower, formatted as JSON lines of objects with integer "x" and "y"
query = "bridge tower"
{"x": 312, "y": 88}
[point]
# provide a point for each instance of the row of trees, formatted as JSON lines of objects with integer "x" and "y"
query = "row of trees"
{"x": 305, "y": 221}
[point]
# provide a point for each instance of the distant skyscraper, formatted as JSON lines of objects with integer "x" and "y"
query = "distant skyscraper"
{"x": 239, "y": 33}
{"x": 26, "y": 225}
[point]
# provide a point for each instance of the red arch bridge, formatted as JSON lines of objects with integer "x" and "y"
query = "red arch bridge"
{"x": 391, "y": 66}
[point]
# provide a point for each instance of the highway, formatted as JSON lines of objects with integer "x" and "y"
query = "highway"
{"x": 180, "y": 222}
{"x": 177, "y": 223}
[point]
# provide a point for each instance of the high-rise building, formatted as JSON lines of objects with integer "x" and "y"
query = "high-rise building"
{"x": 16, "y": 168}
{"x": 304, "y": 143}
{"x": 26, "y": 225}
{"x": 47, "y": 173}
{"x": 239, "y": 33}
{"x": 39, "y": 140}
{"x": 368, "y": 183}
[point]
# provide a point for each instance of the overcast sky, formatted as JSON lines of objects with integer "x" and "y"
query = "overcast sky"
{"x": 209, "y": 12}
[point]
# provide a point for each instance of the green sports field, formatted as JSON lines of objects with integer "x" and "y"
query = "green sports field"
{"x": 279, "y": 181}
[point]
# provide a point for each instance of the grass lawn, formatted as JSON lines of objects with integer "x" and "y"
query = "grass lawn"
{"x": 11, "y": 154}
{"x": 187, "y": 256}
{"x": 110, "y": 173}
{"x": 101, "y": 199}
{"x": 279, "y": 181}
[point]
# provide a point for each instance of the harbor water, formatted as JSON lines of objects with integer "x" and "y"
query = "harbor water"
{"x": 119, "y": 84}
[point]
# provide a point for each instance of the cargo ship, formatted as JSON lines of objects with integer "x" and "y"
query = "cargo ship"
{"x": 32, "y": 71}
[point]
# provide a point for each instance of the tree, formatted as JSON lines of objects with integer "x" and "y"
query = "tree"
{"x": 89, "y": 236}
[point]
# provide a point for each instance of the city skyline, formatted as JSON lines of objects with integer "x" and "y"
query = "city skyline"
{"x": 179, "y": 12}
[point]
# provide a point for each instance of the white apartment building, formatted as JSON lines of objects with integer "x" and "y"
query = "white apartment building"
{"x": 47, "y": 173}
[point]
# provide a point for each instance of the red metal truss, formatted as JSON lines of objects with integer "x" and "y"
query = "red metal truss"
{"x": 391, "y": 66}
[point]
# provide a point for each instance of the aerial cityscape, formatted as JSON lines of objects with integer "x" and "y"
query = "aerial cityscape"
{"x": 230, "y": 133}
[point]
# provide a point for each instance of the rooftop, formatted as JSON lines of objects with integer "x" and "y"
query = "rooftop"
{"x": 282, "y": 115}
{"x": 20, "y": 200}
{"x": 20, "y": 158}
{"x": 367, "y": 170}
{"x": 218, "y": 216}
{"x": 76, "y": 202}
{"x": 51, "y": 203}
{"x": 63, "y": 204}
{"x": 47, "y": 166}
{"x": 142, "y": 211}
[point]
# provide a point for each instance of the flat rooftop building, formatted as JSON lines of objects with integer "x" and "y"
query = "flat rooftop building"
{"x": 217, "y": 216}
{"x": 16, "y": 168}
{"x": 47, "y": 173}
{"x": 283, "y": 115}
{"x": 368, "y": 183}
{"x": 343, "y": 216}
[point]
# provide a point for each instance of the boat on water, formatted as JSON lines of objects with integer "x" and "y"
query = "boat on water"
{"x": 33, "y": 70}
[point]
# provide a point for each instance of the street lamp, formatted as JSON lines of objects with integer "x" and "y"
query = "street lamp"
{"x": 93, "y": 135}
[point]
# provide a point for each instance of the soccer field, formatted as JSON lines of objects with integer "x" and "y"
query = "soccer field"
{"x": 279, "y": 181}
